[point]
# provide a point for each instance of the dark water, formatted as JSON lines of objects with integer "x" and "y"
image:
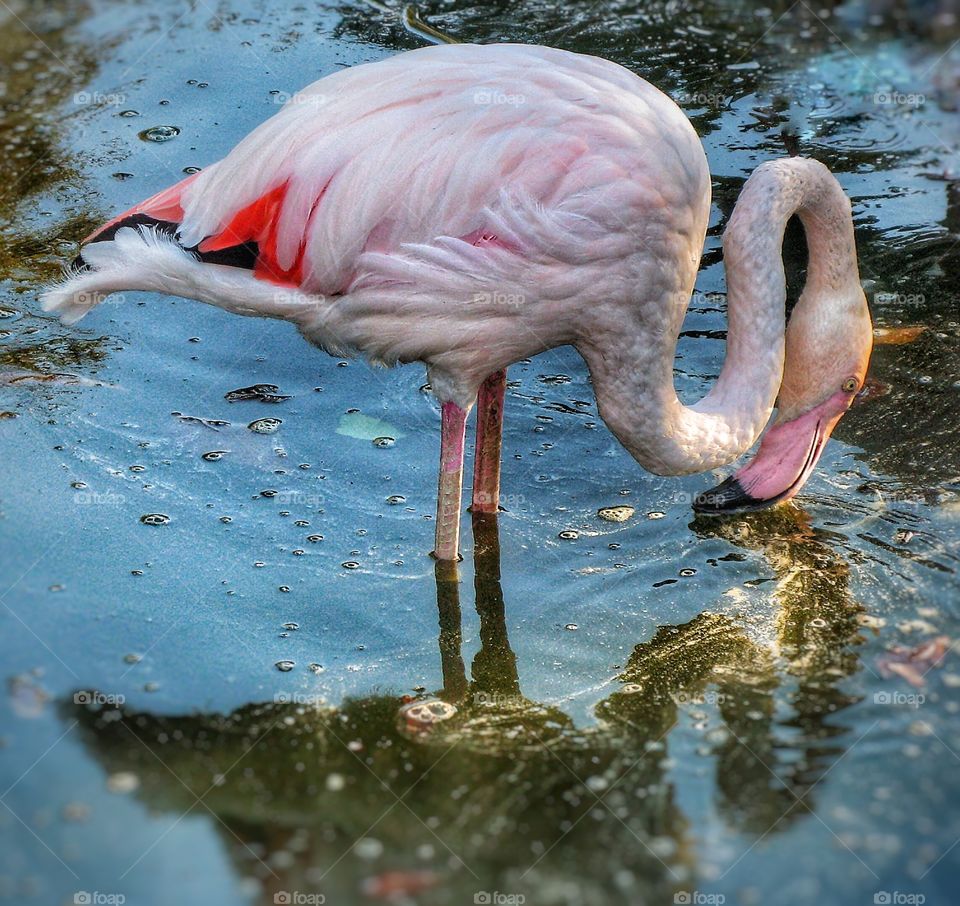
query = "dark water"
{"x": 759, "y": 710}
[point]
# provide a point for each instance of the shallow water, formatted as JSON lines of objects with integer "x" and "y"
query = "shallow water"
{"x": 215, "y": 638}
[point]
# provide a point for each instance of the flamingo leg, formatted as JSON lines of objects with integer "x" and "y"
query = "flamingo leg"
{"x": 453, "y": 422}
{"x": 486, "y": 463}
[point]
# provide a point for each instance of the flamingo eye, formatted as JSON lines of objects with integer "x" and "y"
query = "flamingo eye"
{"x": 851, "y": 385}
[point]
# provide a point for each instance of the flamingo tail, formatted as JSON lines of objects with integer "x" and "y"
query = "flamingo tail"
{"x": 146, "y": 258}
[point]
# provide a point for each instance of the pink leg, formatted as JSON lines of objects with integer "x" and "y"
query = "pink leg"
{"x": 486, "y": 463}
{"x": 450, "y": 487}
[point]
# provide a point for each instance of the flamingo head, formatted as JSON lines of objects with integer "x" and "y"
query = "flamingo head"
{"x": 825, "y": 367}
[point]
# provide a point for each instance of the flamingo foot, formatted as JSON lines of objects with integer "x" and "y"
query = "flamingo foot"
{"x": 486, "y": 466}
{"x": 450, "y": 486}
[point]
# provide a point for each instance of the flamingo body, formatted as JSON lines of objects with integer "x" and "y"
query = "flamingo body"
{"x": 467, "y": 206}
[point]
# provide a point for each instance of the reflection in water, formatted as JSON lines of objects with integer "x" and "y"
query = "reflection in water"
{"x": 507, "y": 793}
{"x": 40, "y": 69}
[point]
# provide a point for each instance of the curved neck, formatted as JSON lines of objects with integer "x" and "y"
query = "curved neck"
{"x": 635, "y": 389}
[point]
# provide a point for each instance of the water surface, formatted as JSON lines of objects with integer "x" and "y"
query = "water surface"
{"x": 754, "y": 710}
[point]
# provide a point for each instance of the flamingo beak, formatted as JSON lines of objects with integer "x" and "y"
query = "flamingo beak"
{"x": 787, "y": 456}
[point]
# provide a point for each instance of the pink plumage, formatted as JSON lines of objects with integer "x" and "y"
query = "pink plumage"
{"x": 467, "y": 206}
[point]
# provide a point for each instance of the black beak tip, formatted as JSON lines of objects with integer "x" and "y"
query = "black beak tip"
{"x": 727, "y": 497}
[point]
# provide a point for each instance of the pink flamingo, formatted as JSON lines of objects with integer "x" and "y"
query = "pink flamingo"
{"x": 468, "y": 206}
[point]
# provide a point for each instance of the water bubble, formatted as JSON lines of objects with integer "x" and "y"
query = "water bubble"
{"x": 616, "y": 513}
{"x": 686, "y": 573}
{"x": 155, "y": 519}
{"x": 315, "y": 668}
{"x": 132, "y": 658}
{"x": 350, "y": 564}
{"x": 283, "y": 588}
{"x": 631, "y": 688}
{"x": 299, "y": 552}
{"x": 301, "y": 523}
{"x": 226, "y": 519}
{"x": 571, "y": 627}
{"x": 285, "y": 666}
{"x": 265, "y": 425}
{"x": 138, "y": 468}
{"x": 191, "y": 170}
{"x": 214, "y": 455}
{"x": 396, "y": 499}
{"x": 425, "y": 713}
{"x": 291, "y": 626}
{"x": 384, "y": 442}
{"x": 129, "y": 114}
{"x": 368, "y": 848}
{"x": 655, "y": 514}
{"x": 78, "y": 485}
{"x": 122, "y": 177}
{"x": 569, "y": 535}
{"x": 268, "y": 492}
{"x": 123, "y": 782}
{"x": 159, "y": 133}
{"x": 314, "y": 539}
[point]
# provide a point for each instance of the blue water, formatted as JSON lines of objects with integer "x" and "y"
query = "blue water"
{"x": 662, "y": 710}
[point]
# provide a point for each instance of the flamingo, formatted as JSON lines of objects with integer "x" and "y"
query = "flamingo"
{"x": 467, "y": 206}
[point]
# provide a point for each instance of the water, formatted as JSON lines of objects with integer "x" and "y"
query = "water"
{"x": 618, "y": 702}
